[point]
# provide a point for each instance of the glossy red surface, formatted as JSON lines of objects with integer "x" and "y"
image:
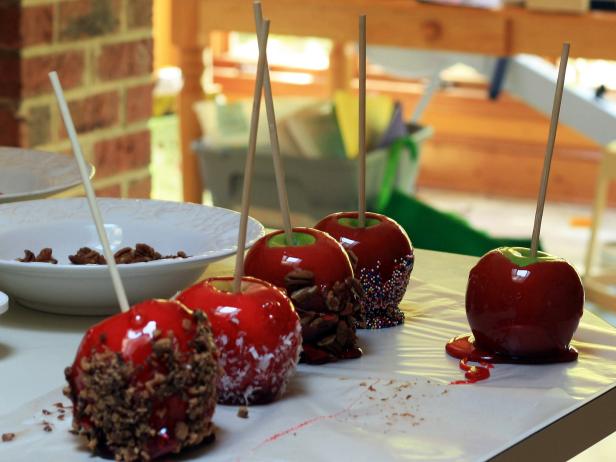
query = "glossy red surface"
{"x": 385, "y": 242}
{"x": 257, "y": 332}
{"x": 130, "y": 335}
{"x": 527, "y": 312}
{"x": 325, "y": 258}
{"x": 463, "y": 347}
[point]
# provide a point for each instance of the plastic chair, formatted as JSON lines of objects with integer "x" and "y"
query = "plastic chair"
{"x": 599, "y": 287}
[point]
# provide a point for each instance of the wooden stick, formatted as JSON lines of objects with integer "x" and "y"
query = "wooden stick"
{"x": 362, "y": 121}
{"x": 283, "y": 198}
{"x": 558, "y": 95}
{"x": 85, "y": 178}
{"x": 250, "y": 159}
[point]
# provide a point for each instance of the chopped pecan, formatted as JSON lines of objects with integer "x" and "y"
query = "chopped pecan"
{"x": 327, "y": 315}
{"x": 87, "y": 256}
{"x": 298, "y": 279}
{"x": 126, "y": 255}
{"x": 44, "y": 256}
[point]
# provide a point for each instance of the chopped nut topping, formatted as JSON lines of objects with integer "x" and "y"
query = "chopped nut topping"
{"x": 119, "y": 411}
{"x": 44, "y": 256}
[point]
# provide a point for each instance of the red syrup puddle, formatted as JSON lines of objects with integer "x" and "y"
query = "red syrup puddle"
{"x": 473, "y": 373}
{"x": 463, "y": 348}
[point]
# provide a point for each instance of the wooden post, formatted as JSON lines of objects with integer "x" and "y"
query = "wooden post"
{"x": 190, "y": 42}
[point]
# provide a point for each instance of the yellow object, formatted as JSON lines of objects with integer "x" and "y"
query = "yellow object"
{"x": 580, "y": 222}
{"x": 379, "y": 110}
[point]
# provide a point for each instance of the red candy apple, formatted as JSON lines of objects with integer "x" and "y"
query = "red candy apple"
{"x": 317, "y": 275}
{"x": 385, "y": 260}
{"x": 143, "y": 383}
{"x": 523, "y": 307}
{"x": 271, "y": 259}
{"x": 258, "y": 336}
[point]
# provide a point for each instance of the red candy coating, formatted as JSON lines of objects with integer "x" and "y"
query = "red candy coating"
{"x": 523, "y": 308}
{"x": 258, "y": 335}
{"x": 325, "y": 257}
{"x": 385, "y": 260}
{"x": 381, "y": 243}
{"x": 127, "y": 340}
{"x": 131, "y": 333}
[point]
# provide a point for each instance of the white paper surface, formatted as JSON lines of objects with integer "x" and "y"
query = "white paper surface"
{"x": 395, "y": 403}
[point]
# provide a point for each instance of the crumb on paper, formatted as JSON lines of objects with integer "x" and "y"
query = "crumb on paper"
{"x": 47, "y": 426}
{"x": 242, "y": 412}
{"x": 408, "y": 396}
{"x": 46, "y": 412}
{"x": 6, "y": 437}
{"x": 371, "y": 388}
{"x": 363, "y": 384}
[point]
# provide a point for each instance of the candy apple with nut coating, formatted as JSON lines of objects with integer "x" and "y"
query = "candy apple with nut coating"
{"x": 143, "y": 383}
{"x": 317, "y": 275}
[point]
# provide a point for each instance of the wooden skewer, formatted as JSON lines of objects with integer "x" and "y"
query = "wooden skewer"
{"x": 362, "y": 122}
{"x": 283, "y": 198}
{"x": 250, "y": 159}
{"x": 85, "y": 178}
{"x": 558, "y": 95}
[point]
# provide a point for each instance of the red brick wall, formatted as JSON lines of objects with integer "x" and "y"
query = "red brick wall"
{"x": 102, "y": 51}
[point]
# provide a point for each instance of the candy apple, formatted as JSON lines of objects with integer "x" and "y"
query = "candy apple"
{"x": 317, "y": 275}
{"x": 384, "y": 261}
{"x": 258, "y": 335}
{"x": 523, "y": 307}
{"x": 143, "y": 383}
{"x": 271, "y": 259}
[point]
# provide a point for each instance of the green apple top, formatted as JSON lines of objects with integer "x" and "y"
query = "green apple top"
{"x": 521, "y": 256}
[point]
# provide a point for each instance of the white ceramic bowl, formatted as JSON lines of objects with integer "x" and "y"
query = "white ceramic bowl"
{"x": 26, "y": 174}
{"x": 205, "y": 233}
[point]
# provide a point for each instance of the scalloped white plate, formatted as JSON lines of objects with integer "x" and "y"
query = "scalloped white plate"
{"x": 205, "y": 233}
{"x": 26, "y": 174}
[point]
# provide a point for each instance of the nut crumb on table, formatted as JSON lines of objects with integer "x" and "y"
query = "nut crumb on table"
{"x": 6, "y": 437}
{"x": 242, "y": 412}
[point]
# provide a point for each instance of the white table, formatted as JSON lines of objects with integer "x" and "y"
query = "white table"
{"x": 35, "y": 347}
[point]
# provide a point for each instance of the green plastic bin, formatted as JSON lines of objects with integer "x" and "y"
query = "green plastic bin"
{"x": 316, "y": 187}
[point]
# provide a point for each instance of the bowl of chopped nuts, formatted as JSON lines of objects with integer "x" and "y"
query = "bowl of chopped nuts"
{"x": 51, "y": 258}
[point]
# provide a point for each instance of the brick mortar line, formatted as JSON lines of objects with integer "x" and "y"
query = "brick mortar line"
{"x": 55, "y": 33}
{"x": 41, "y": 2}
{"x": 86, "y": 91}
{"x": 101, "y": 134}
{"x": 123, "y": 17}
{"x": 121, "y": 179}
{"x": 87, "y": 43}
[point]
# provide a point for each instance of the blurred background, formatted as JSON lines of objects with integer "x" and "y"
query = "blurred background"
{"x": 161, "y": 92}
